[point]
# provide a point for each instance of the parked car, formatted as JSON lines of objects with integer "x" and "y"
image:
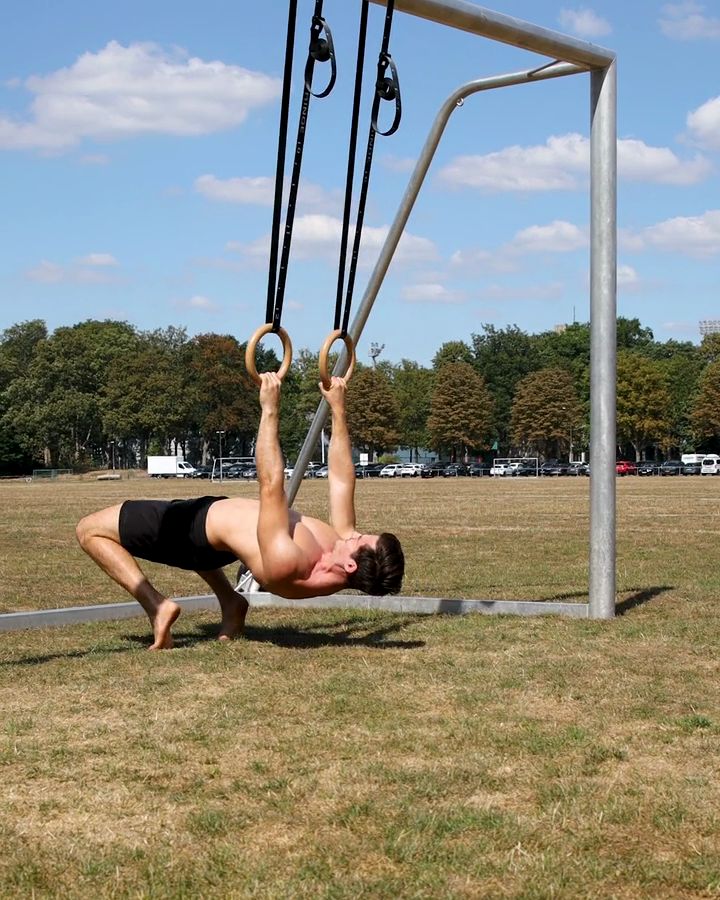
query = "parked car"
{"x": 710, "y": 465}
{"x": 202, "y": 472}
{"x": 691, "y": 468}
{"x": 476, "y": 470}
{"x": 372, "y": 470}
{"x": 249, "y": 472}
{"x": 455, "y": 469}
{"x": 500, "y": 469}
{"x": 391, "y": 470}
{"x": 525, "y": 470}
{"x": 625, "y": 467}
{"x": 553, "y": 467}
{"x": 234, "y": 471}
{"x": 432, "y": 470}
{"x": 671, "y": 467}
{"x": 577, "y": 468}
{"x": 312, "y": 468}
{"x": 411, "y": 470}
{"x": 647, "y": 468}
{"x": 322, "y": 472}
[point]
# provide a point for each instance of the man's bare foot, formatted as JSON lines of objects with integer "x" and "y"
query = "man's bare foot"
{"x": 166, "y": 614}
{"x": 234, "y": 609}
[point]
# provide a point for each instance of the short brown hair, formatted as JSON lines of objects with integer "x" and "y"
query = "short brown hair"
{"x": 380, "y": 569}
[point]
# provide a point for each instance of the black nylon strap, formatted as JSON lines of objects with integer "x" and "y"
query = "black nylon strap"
{"x": 362, "y": 33}
{"x": 280, "y": 166}
{"x": 321, "y": 51}
{"x": 385, "y": 89}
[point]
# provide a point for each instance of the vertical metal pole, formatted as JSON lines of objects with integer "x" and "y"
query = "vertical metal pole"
{"x": 603, "y": 327}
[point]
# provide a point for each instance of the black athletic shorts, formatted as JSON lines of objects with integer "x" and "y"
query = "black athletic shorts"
{"x": 171, "y": 532}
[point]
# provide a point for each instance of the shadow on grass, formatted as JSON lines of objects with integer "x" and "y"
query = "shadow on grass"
{"x": 350, "y": 633}
{"x": 639, "y": 598}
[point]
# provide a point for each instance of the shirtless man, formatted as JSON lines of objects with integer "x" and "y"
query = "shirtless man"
{"x": 290, "y": 554}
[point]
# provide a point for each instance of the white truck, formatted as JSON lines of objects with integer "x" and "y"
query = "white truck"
{"x": 169, "y": 467}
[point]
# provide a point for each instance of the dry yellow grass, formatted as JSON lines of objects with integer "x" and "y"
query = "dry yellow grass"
{"x": 345, "y": 754}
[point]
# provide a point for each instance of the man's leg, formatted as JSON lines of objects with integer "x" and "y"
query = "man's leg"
{"x": 99, "y": 536}
{"x": 234, "y": 606}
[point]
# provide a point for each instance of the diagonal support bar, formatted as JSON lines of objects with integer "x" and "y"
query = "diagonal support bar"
{"x": 453, "y": 102}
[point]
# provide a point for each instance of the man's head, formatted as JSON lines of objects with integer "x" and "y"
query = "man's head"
{"x": 379, "y": 565}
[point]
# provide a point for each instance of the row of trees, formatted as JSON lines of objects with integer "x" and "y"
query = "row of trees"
{"x": 100, "y": 389}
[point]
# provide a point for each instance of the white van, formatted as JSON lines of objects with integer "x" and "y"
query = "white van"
{"x": 710, "y": 465}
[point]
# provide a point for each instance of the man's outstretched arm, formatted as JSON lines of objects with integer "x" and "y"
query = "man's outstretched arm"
{"x": 341, "y": 471}
{"x": 281, "y": 557}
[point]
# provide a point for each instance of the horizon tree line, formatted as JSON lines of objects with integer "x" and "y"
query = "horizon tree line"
{"x": 86, "y": 393}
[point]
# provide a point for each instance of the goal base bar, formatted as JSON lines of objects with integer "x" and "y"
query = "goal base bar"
{"x": 105, "y": 612}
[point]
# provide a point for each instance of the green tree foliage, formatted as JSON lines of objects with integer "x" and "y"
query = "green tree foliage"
{"x": 18, "y": 347}
{"x": 568, "y": 348}
{"x": 546, "y": 413}
{"x": 631, "y": 335}
{"x": 706, "y": 412}
{"x": 461, "y": 410}
{"x": 300, "y": 399}
{"x": 56, "y": 403}
{"x": 148, "y": 392}
{"x": 452, "y": 352}
{"x": 223, "y": 396}
{"x": 643, "y": 402}
{"x": 682, "y": 365}
{"x": 413, "y": 388}
{"x": 373, "y": 411}
{"x": 710, "y": 347}
{"x": 503, "y": 356}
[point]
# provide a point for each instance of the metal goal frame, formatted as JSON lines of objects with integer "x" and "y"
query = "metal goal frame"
{"x": 567, "y": 56}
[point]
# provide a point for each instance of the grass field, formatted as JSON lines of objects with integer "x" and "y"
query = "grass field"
{"x": 345, "y": 754}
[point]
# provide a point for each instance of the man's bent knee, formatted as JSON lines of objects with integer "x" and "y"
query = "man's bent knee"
{"x": 104, "y": 523}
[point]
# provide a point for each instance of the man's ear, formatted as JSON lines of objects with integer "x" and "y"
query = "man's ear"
{"x": 350, "y": 566}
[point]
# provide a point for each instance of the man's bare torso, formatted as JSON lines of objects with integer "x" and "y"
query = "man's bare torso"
{"x": 232, "y": 525}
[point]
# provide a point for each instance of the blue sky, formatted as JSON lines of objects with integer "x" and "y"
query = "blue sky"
{"x": 138, "y": 150}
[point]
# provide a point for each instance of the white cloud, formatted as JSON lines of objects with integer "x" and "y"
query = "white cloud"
{"x": 198, "y": 302}
{"x": 685, "y": 21}
{"x": 430, "y": 292}
{"x": 398, "y": 163}
{"x": 483, "y": 261}
{"x": 556, "y": 237}
{"x": 318, "y": 236}
{"x": 553, "y": 290}
{"x": 583, "y": 22}
{"x": 704, "y": 124}
{"x": 563, "y": 163}
{"x": 98, "y": 259}
{"x": 122, "y": 92}
{"x": 260, "y": 191}
{"x": 94, "y": 159}
{"x": 627, "y": 277}
{"x": 696, "y": 236}
{"x": 82, "y": 273}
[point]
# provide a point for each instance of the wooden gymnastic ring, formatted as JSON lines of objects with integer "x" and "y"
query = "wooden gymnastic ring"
{"x": 325, "y": 350}
{"x": 252, "y": 344}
